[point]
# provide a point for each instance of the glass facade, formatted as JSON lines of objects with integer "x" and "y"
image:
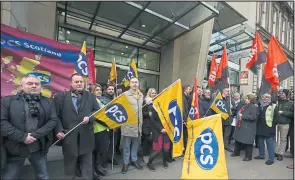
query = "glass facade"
{"x": 107, "y": 50}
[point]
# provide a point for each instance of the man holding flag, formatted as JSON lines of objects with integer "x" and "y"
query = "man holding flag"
{"x": 131, "y": 134}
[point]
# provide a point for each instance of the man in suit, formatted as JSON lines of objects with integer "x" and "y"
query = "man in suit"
{"x": 74, "y": 107}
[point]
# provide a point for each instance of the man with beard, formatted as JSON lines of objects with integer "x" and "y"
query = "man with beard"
{"x": 285, "y": 116}
{"x": 113, "y": 134}
{"x": 27, "y": 121}
{"x": 74, "y": 107}
{"x": 205, "y": 104}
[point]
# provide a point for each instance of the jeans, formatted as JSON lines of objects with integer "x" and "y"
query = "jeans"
{"x": 15, "y": 166}
{"x": 134, "y": 142}
{"x": 270, "y": 147}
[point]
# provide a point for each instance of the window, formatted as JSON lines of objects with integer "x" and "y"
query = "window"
{"x": 233, "y": 77}
{"x": 263, "y": 14}
{"x": 107, "y": 50}
{"x": 275, "y": 21}
{"x": 145, "y": 80}
{"x": 148, "y": 60}
{"x": 291, "y": 37}
{"x": 75, "y": 38}
{"x": 283, "y": 32}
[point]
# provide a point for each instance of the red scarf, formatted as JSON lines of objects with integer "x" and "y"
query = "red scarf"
{"x": 239, "y": 123}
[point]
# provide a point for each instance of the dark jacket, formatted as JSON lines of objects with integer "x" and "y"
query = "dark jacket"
{"x": 157, "y": 127}
{"x": 229, "y": 120}
{"x": 106, "y": 98}
{"x": 246, "y": 133}
{"x": 13, "y": 118}
{"x": 69, "y": 119}
{"x": 204, "y": 105}
{"x": 146, "y": 127}
{"x": 262, "y": 128}
{"x": 187, "y": 101}
{"x": 287, "y": 107}
{"x": 236, "y": 108}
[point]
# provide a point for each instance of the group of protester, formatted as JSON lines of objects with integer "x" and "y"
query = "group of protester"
{"x": 31, "y": 123}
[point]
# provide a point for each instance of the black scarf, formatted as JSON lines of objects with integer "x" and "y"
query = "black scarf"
{"x": 79, "y": 97}
{"x": 32, "y": 100}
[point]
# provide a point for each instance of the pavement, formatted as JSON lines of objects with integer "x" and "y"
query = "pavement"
{"x": 237, "y": 169}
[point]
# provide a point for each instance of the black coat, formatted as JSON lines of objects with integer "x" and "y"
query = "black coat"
{"x": 262, "y": 128}
{"x": 69, "y": 119}
{"x": 204, "y": 105}
{"x": 13, "y": 118}
{"x": 229, "y": 120}
{"x": 187, "y": 101}
{"x": 247, "y": 132}
{"x": 146, "y": 127}
{"x": 156, "y": 126}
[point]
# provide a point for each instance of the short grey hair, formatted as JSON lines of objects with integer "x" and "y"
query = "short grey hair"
{"x": 27, "y": 76}
{"x": 266, "y": 95}
{"x": 237, "y": 94}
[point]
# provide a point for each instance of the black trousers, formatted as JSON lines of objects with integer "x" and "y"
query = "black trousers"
{"x": 101, "y": 147}
{"x": 291, "y": 138}
{"x": 146, "y": 144}
{"x": 85, "y": 166}
{"x": 248, "y": 149}
{"x": 185, "y": 136}
{"x": 226, "y": 134}
{"x": 112, "y": 137}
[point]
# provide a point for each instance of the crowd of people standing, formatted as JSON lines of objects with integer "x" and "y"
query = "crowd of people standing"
{"x": 30, "y": 123}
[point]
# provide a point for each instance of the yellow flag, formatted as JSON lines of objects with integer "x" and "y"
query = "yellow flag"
{"x": 219, "y": 106}
{"x": 117, "y": 113}
{"x": 113, "y": 73}
{"x": 82, "y": 65}
{"x": 132, "y": 72}
{"x": 168, "y": 105}
{"x": 204, "y": 157}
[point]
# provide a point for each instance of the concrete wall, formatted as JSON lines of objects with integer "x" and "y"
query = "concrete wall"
{"x": 35, "y": 17}
{"x": 186, "y": 56}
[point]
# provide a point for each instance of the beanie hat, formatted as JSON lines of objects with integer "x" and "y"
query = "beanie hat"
{"x": 286, "y": 91}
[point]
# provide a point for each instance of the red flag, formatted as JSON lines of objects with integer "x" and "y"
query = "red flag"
{"x": 257, "y": 55}
{"x": 196, "y": 99}
{"x": 222, "y": 75}
{"x": 213, "y": 71}
{"x": 275, "y": 57}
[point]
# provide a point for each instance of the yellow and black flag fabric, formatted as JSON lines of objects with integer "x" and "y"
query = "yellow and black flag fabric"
{"x": 219, "y": 106}
{"x": 117, "y": 113}
{"x": 132, "y": 72}
{"x": 168, "y": 105}
{"x": 204, "y": 157}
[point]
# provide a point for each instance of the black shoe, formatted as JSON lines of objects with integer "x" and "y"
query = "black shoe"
{"x": 151, "y": 167}
{"x": 258, "y": 157}
{"x": 228, "y": 149}
{"x": 234, "y": 155}
{"x": 276, "y": 155}
{"x": 280, "y": 158}
{"x": 124, "y": 169}
{"x": 169, "y": 160}
{"x": 136, "y": 165}
{"x": 78, "y": 172}
{"x": 95, "y": 176}
{"x": 246, "y": 159}
{"x": 165, "y": 164}
{"x": 115, "y": 162}
{"x": 269, "y": 162}
{"x": 100, "y": 171}
{"x": 105, "y": 165}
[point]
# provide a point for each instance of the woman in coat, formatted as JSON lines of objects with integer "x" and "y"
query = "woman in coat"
{"x": 266, "y": 129}
{"x": 146, "y": 127}
{"x": 245, "y": 131}
{"x": 160, "y": 140}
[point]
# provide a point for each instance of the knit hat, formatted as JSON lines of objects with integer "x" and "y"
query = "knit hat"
{"x": 286, "y": 91}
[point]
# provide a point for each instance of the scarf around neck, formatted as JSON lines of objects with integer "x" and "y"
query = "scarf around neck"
{"x": 32, "y": 100}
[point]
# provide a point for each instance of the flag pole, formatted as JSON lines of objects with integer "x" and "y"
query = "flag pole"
{"x": 113, "y": 153}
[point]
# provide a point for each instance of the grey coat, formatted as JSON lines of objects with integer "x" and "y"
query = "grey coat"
{"x": 69, "y": 118}
{"x": 133, "y": 130}
{"x": 247, "y": 132}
